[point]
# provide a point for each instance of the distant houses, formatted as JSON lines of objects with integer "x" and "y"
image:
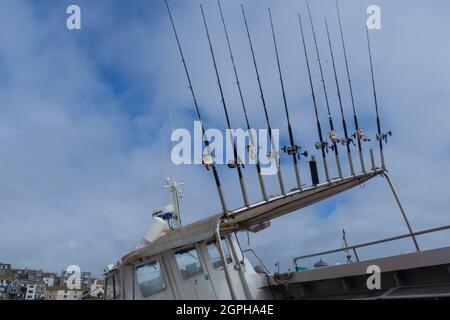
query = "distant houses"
{"x": 62, "y": 292}
{"x": 30, "y": 284}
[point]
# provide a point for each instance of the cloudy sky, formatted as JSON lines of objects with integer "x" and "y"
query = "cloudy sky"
{"x": 81, "y": 162}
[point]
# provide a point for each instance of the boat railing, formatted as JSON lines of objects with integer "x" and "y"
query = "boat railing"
{"x": 371, "y": 243}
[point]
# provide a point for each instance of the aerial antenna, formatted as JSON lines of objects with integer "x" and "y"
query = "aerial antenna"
{"x": 251, "y": 147}
{"x": 172, "y": 126}
{"x": 164, "y": 152}
{"x": 332, "y": 134}
{"x": 208, "y": 160}
{"x": 274, "y": 152}
{"x": 322, "y": 145}
{"x": 347, "y": 140}
{"x": 293, "y": 149}
{"x": 345, "y": 246}
{"x": 359, "y": 132}
{"x": 237, "y": 163}
{"x": 380, "y": 136}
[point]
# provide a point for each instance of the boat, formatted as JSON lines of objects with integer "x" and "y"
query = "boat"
{"x": 205, "y": 261}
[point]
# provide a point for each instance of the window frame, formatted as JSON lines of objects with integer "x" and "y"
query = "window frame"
{"x": 228, "y": 257}
{"x": 189, "y": 248}
{"x": 137, "y": 287}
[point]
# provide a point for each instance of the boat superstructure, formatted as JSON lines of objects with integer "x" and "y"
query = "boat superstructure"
{"x": 204, "y": 260}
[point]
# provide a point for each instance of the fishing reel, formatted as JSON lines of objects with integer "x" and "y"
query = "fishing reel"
{"x": 360, "y": 135}
{"x": 273, "y": 155}
{"x": 347, "y": 141}
{"x": 294, "y": 150}
{"x": 384, "y": 136}
{"x": 208, "y": 161}
{"x": 334, "y": 140}
{"x": 333, "y": 137}
{"x": 322, "y": 145}
{"x": 234, "y": 164}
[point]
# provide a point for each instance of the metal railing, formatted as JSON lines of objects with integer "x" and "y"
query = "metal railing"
{"x": 354, "y": 247}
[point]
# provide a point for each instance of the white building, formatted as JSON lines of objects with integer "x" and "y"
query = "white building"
{"x": 35, "y": 291}
{"x": 50, "y": 279}
{"x": 62, "y": 293}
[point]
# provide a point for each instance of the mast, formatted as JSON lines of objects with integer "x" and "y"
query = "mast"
{"x": 175, "y": 191}
{"x": 237, "y": 162}
{"x": 359, "y": 132}
{"x": 380, "y": 136}
{"x": 321, "y": 144}
{"x": 332, "y": 133}
{"x": 244, "y": 108}
{"x": 197, "y": 110}
{"x": 344, "y": 124}
{"x": 274, "y": 152}
{"x": 293, "y": 149}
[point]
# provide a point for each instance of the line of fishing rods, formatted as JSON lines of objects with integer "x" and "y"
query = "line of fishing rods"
{"x": 293, "y": 150}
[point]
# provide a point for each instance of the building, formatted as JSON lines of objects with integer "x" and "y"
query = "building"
{"x": 85, "y": 279}
{"x": 50, "y": 279}
{"x": 4, "y": 267}
{"x": 97, "y": 289}
{"x": 28, "y": 275}
{"x": 16, "y": 290}
{"x": 5, "y": 279}
{"x": 60, "y": 292}
{"x": 35, "y": 291}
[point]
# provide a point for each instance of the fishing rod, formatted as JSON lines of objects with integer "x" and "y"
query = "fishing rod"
{"x": 380, "y": 136}
{"x": 344, "y": 124}
{"x": 207, "y": 160}
{"x": 293, "y": 149}
{"x": 274, "y": 154}
{"x": 237, "y": 163}
{"x": 244, "y": 108}
{"x": 359, "y": 132}
{"x": 332, "y": 134}
{"x": 322, "y": 145}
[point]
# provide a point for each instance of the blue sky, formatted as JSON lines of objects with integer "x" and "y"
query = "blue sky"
{"x": 81, "y": 160}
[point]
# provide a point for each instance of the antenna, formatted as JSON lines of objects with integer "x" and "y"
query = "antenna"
{"x": 380, "y": 136}
{"x": 347, "y": 140}
{"x": 359, "y": 132}
{"x": 345, "y": 246}
{"x": 332, "y": 133}
{"x": 250, "y": 131}
{"x": 293, "y": 149}
{"x": 321, "y": 144}
{"x": 164, "y": 152}
{"x": 177, "y": 170}
{"x": 274, "y": 152}
{"x": 237, "y": 163}
{"x": 205, "y": 138}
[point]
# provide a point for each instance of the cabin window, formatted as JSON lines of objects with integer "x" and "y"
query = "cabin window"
{"x": 150, "y": 279}
{"x": 214, "y": 255}
{"x": 188, "y": 263}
